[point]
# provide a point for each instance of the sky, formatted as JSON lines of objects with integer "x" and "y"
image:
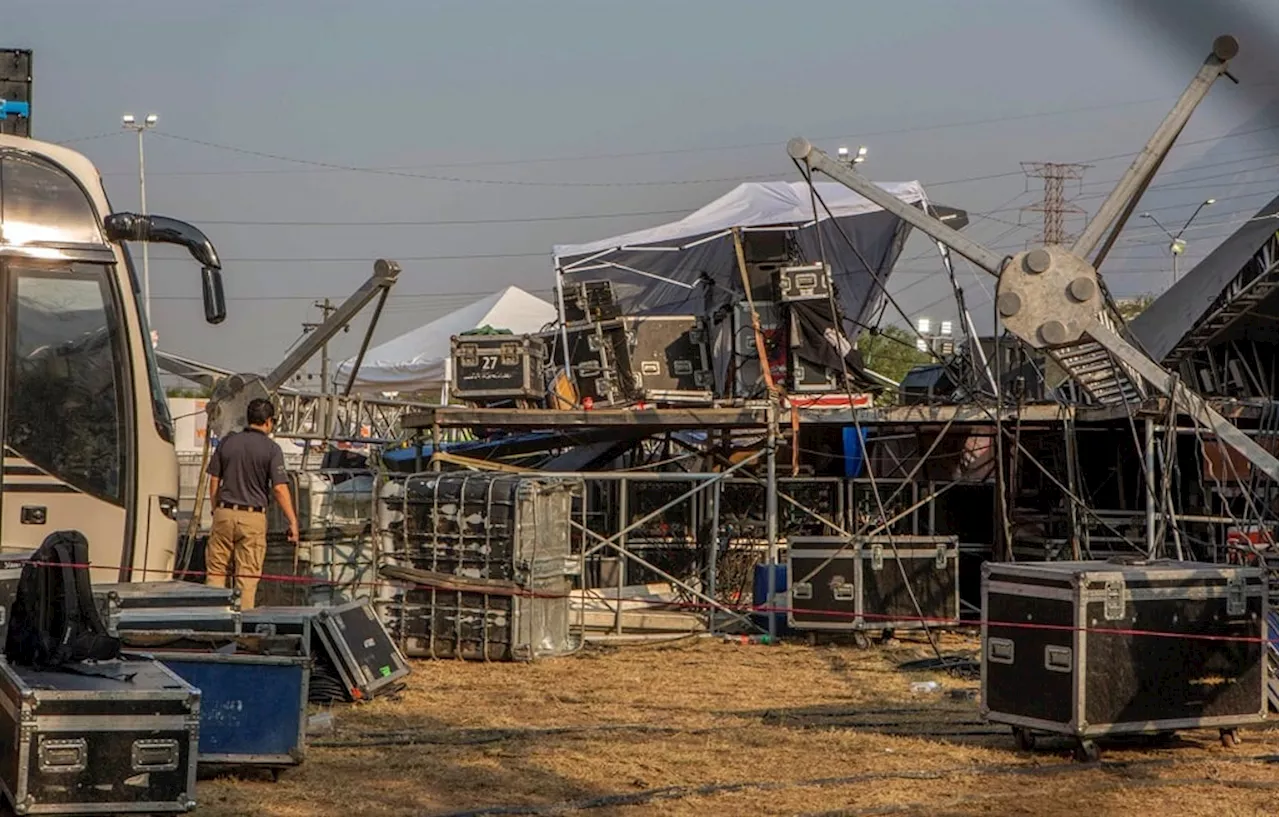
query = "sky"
{"x": 310, "y": 137}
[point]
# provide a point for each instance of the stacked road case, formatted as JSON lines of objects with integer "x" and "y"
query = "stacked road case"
{"x": 491, "y": 369}
{"x": 15, "y": 91}
{"x": 660, "y": 359}
{"x": 172, "y": 607}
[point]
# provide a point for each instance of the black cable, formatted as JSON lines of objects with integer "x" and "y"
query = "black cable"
{"x": 872, "y": 271}
{"x": 807, "y": 172}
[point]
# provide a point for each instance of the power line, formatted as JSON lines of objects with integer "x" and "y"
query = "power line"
{"x": 1112, "y": 157}
{"x": 89, "y": 138}
{"x": 394, "y": 294}
{"x": 366, "y": 259}
{"x": 653, "y": 213}
{"x": 455, "y": 179}
{"x": 441, "y": 222}
{"x": 1179, "y": 185}
{"x": 668, "y": 151}
{"x": 333, "y": 166}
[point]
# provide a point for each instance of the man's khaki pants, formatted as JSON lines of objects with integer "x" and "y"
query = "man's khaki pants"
{"x": 239, "y": 536}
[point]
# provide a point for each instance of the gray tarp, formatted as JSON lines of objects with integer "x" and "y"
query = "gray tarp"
{"x": 689, "y": 266}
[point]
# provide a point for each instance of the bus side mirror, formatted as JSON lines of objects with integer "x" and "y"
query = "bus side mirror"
{"x": 215, "y": 304}
{"x": 164, "y": 230}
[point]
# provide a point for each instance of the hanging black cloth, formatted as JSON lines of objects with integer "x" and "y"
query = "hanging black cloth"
{"x": 818, "y": 340}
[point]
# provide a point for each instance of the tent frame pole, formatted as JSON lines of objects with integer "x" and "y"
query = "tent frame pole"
{"x": 564, "y": 328}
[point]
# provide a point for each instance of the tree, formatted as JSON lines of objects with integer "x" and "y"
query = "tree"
{"x": 1131, "y": 308}
{"x": 198, "y": 394}
{"x": 890, "y": 351}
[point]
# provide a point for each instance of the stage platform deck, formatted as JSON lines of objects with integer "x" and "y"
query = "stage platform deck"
{"x": 658, "y": 420}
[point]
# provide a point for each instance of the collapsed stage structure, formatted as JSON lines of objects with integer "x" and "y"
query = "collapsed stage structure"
{"x": 703, "y": 391}
{"x": 1118, "y": 457}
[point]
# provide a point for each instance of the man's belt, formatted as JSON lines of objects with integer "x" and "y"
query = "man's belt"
{"x": 234, "y": 507}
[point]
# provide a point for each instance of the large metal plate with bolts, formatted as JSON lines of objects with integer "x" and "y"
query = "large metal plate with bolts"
{"x": 116, "y": 737}
{"x": 1091, "y": 649}
{"x": 1048, "y": 297}
{"x": 1052, "y": 298}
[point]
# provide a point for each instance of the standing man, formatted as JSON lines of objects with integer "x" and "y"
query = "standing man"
{"x": 246, "y": 470}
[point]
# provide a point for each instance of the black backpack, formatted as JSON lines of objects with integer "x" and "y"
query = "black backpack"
{"x": 54, "y": 619}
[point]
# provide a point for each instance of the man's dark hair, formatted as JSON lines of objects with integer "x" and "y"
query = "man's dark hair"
{"x": 260, "y": 411}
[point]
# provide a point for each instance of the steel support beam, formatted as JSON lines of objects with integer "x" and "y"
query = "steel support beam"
{"x": 1191, "y": 404}
{"x": 384, "y": 277}
{"x": 800, "y": 150}
{"x": 1215, "y": 65}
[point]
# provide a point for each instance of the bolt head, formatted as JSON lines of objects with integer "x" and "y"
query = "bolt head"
{"x": 1082, "y": 289}
{"x": 1226, "y": 47}
{"x": 1038, "y": 261}
{"x": 798, "y": 148}
{"x": 1053, "y": 332}
{"x": 1009, "y": 304}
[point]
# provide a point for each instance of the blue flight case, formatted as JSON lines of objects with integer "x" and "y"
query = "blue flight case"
{"x": 253, "y": 708}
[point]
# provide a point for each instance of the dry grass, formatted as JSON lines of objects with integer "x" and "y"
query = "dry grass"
{"x": 805, "y": 727}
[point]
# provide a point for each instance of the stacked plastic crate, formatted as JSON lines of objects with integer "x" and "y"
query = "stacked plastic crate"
{"x": 481, "y": 565}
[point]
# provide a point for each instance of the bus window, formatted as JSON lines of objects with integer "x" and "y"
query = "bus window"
{"x": 159, "y": 400}
{"x": 41, "y": 204}
{"x": 66, "y": 411}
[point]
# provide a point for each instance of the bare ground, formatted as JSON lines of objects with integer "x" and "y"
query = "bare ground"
{"x": 701, "y": 727}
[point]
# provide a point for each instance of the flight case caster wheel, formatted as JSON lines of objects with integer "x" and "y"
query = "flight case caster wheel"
{"x": 861, "y": 640}
{"x": 1230, "y": 738}
{"x": 1088, "y": 752}
{"x": 1023, "y": 739}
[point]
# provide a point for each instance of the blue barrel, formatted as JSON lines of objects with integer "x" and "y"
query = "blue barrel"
{"x": 855, "y": 446}
{"x": 760, "y": 596}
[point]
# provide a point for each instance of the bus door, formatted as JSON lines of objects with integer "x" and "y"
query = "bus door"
{"x": 66, "y": 408}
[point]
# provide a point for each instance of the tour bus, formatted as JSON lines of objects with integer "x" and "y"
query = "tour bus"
{"x": 87, "y": 437}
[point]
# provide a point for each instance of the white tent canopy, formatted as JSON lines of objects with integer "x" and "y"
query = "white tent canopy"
{"x": 689, "y": 267}
{"x": 419, "y": 360}
{"x": 756, "y": 204}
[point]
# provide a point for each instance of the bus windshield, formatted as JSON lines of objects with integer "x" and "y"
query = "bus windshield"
{"x": 66, "y": 406}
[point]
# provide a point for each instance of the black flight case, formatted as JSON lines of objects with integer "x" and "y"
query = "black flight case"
{"x": 1105, "y": 648}
{"x": 873, "y": 583}
{"x": 116, "y": 737}
{"x": 169, "y": 607}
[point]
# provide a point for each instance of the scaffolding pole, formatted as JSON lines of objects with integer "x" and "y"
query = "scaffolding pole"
{"x": 1149, "y": 477}
{"x": 771, "y": 510}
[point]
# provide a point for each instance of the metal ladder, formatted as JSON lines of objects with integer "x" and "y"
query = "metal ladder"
{"x": 1101, "y": 377}
{"x": 1256, "y": 281}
